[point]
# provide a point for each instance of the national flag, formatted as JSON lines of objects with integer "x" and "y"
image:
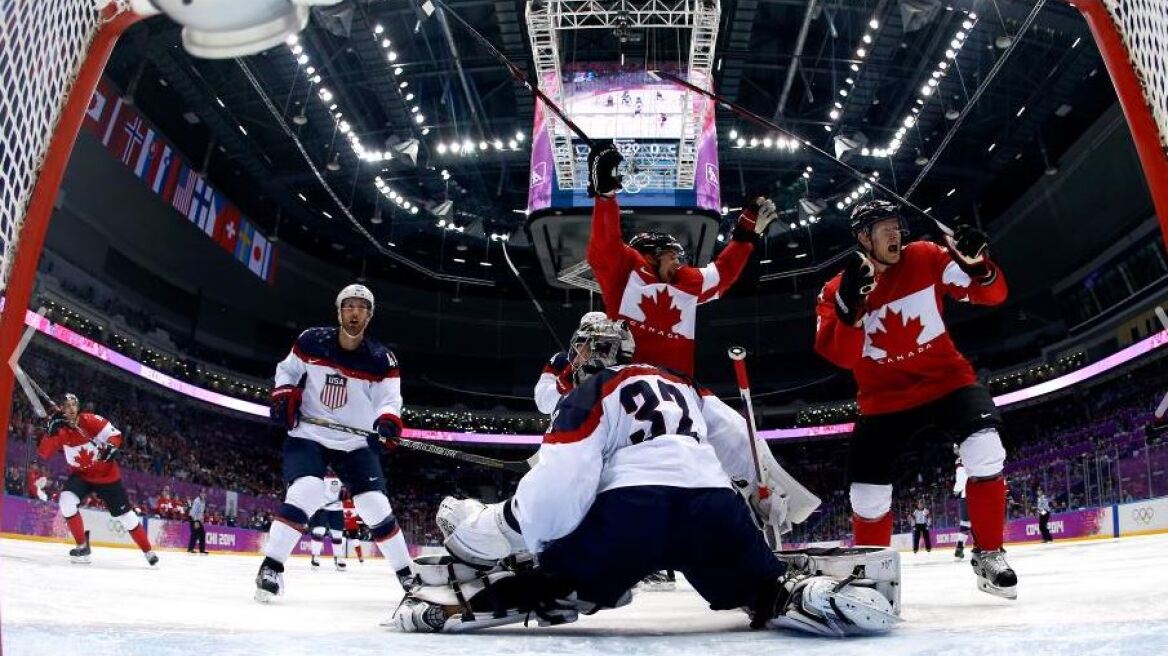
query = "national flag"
{"x": 261, "y": 255}
{"x": 243, "y": 241}
{"x": 96, "y": 112}
{"x": 111, "y": 122}
{"x": 130, "y": 138}
{"x": 157, "y": 166}
{"x": 187, "y": 181}
{"x": 150, "y": 148}
{"x": 227, "y": 227}
{"x": 165, "y": 176}
{"x": 202, "y": 211}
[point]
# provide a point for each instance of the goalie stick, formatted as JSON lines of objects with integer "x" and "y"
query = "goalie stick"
{"x": 738, "y": 356}
{"x": 519, "y": 466}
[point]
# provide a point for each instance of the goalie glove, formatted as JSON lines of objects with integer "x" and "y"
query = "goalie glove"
{"x": 969, "y": 248}
{"x": 603, "y": 160}
{"x": 755, "y": 218}
{"x": 858, "y": 280}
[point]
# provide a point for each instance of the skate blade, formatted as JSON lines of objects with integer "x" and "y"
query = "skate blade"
{"x": 852, "y": 603}
{"x": 79, "y": 560}
{"x": 658, "y": 587}
{"x": 263, "y": 596}
{"x": 1005, "y": 593}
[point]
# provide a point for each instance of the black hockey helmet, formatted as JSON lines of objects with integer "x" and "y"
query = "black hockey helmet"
{"x": 653, "y": 243}
{"x": 869, "y": 213}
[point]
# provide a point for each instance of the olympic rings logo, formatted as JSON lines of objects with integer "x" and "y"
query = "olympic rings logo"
{"x": 116, "y": 527}
{"x": 1143, "y": 514}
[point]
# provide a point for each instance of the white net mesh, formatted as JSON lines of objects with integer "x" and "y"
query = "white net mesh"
{"x": 1143, "y": 26}
{"x": 42, "y": 46}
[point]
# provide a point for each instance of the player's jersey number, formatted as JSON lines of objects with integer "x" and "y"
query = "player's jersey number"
{"x": 643, "y": 402}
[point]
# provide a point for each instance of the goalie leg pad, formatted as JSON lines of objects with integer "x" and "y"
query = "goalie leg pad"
{"x": 479, "y": 534}
{"x": 878, "y": 568}
{"x": 824, "y": 605}
{"x": 485, "y": 600}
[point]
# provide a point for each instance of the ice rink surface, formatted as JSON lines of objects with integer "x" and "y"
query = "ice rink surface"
{"x": 1081, "y": 598}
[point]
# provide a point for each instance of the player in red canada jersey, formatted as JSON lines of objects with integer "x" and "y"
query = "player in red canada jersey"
{"x": 646, "y": 284}
{"x": 881, "y": 318}
{"x": 355, "y": 529}
{"x": 89, "y": 443}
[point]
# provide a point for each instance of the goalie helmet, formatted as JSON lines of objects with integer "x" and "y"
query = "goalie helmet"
{"x": 865, "y": 215}
{"x": 653, "y": 243}
{"x": 356, "y": 291}
{"x": 592, "y": 317}
{"x": 599, "y": 345}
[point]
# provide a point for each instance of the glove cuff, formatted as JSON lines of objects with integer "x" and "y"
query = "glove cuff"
{"x": 742, "y": 233}
{"x": 390, "y": 418}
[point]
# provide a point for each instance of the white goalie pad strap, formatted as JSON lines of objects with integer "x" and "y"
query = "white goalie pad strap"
{"x": 880, "y": 566}
{"x": 444, "y": 570}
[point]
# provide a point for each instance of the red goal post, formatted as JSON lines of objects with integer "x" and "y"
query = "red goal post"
{"x": 52, "y": 55}
{"x": 1132, "y": 36}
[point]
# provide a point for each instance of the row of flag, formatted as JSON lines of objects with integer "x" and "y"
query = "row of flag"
{"x": 128, "y": 137}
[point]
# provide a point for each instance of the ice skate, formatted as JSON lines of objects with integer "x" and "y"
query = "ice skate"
{"x": 80, "y": 553}
{"x": 994, "y": 574}
{"x": 959, "y": 552}
{"x": 315, "y": 564}
{"x": 340, "y": 564}
{"x": 151, "y": 558}
{"x": 658, "y": 582}
{"x": 269, "y": 580}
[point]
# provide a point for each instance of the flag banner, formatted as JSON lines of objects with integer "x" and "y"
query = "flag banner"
{"x": 130, "y": 138}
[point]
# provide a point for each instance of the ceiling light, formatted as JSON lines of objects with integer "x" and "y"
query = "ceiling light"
{"x": 967, "y": 24}
{"x": 950, "y": 54}
{"x": 302, "y": 60}
{"x": 414, "y": 109}
{"x": 316, "y": 79}
{"x": 498, "y": 144}
{"x": 740, "y": 142}
{"x": 455, "y": 147}
{"x": 392, "y": 56}
{"x": 855, "y": 67}
{"x": 844, "y": 93}
{"x": 991, "y": 148}
{"x": 952, "y": 114}
{"x": 482, "y": 145}
{"x": 378, "y": 29}
{"x": 409, "y": 97}
{"x": 733, "y": 134}
{"x": 766, "y": 143}
{"x": 310, "y": 70}
{"x": 867, "y": 38}
{"x": 513, "y": 145}
{"x": 403, "y": 85}
{"x": 874, "y": 24}
{"x": 861, "y": 52}
{"x": 518, "y": 136}
{"x": 385, "y": 43}
{"x": 397, "y": 70}
{"x": 951, "y": 192}
{"x": 926, "y": 90}
{"x": 1020, "y": 111}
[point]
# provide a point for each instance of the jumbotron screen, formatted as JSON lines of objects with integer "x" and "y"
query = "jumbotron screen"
{"x": 645, "y": 117}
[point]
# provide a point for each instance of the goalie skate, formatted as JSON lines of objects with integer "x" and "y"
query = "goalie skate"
{"x": 823, "y": 605}
{"x": 878, "y": 568}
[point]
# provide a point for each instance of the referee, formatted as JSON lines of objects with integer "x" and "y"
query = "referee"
{"x": 198, "y": 531}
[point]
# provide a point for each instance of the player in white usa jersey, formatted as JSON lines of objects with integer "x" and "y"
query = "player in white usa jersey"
{"x": 329, "y": 520}
{"x": 628, "y": 482}
{"x": 336, "y": 374}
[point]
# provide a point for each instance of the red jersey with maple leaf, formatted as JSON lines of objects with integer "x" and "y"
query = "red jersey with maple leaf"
{"x": 350, "y": 513}
{"x": 80, "y": 445}
{"x": 661, "y": 316}
{"x": 902, "y": 355}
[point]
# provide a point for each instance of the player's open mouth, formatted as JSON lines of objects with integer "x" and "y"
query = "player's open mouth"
{"x": 894, "y": 248}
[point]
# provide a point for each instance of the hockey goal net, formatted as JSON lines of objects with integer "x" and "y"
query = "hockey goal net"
{"x": 1132, "y": 36}
{"x": 52, "y": 54}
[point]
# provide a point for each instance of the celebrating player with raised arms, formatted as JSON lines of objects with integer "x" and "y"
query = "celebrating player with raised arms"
{"x": 647, "y": 284}
{"x": 628, "y": 483}
{"x": 89, "y": 443}
{"x": 881, "y": 318}
{"x": 339, "y": 375}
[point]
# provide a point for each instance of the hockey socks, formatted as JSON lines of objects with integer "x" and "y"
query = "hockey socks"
{"x": 872, "y": 532}
{"x": 395, "y": 551}
{"x": 138, "y": 533}
{"x": 76, "y": 528}
{"x": 986, "y": 501}
{"x": 282, "y": 538}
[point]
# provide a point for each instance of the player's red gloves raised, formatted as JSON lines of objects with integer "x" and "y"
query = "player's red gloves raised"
{"x": 285, "y": 405}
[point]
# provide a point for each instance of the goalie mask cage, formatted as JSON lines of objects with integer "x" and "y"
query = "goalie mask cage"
{"x": 52, "y": 54}
{"x": 1132, "y": 36}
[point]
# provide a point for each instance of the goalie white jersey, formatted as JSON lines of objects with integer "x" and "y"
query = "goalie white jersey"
{"x": 345, "y": 387}
{"x": 633, "y": 425}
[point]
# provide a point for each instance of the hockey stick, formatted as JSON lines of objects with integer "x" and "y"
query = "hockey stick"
{"x": 749, "y": 115}
{"x": 428, "y": 7}
{"x": 520, "y": 466}
{"x": 27, "y": 384}
{"x": 534, "y": 301}
{"x": 738, "y": 356}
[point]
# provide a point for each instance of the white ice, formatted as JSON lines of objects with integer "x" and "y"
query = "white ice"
{"x": 1082, "y": 598}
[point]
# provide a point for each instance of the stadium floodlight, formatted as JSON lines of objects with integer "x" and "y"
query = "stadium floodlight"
{"x": 223, "y": 29}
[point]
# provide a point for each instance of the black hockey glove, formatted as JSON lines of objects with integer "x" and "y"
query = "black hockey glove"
{"x": 56, "y": 423}
{"x": 968, "y": 247}
{"x": 603, "y": 160}
{"x": 858, "y": 280}
{"x": 106, "y": 451}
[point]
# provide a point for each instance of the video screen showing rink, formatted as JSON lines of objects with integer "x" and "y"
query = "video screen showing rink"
{"x": 1082, "y": 597}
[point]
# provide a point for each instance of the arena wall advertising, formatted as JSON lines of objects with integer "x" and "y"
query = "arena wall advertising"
{"x": 42, "y": 519}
